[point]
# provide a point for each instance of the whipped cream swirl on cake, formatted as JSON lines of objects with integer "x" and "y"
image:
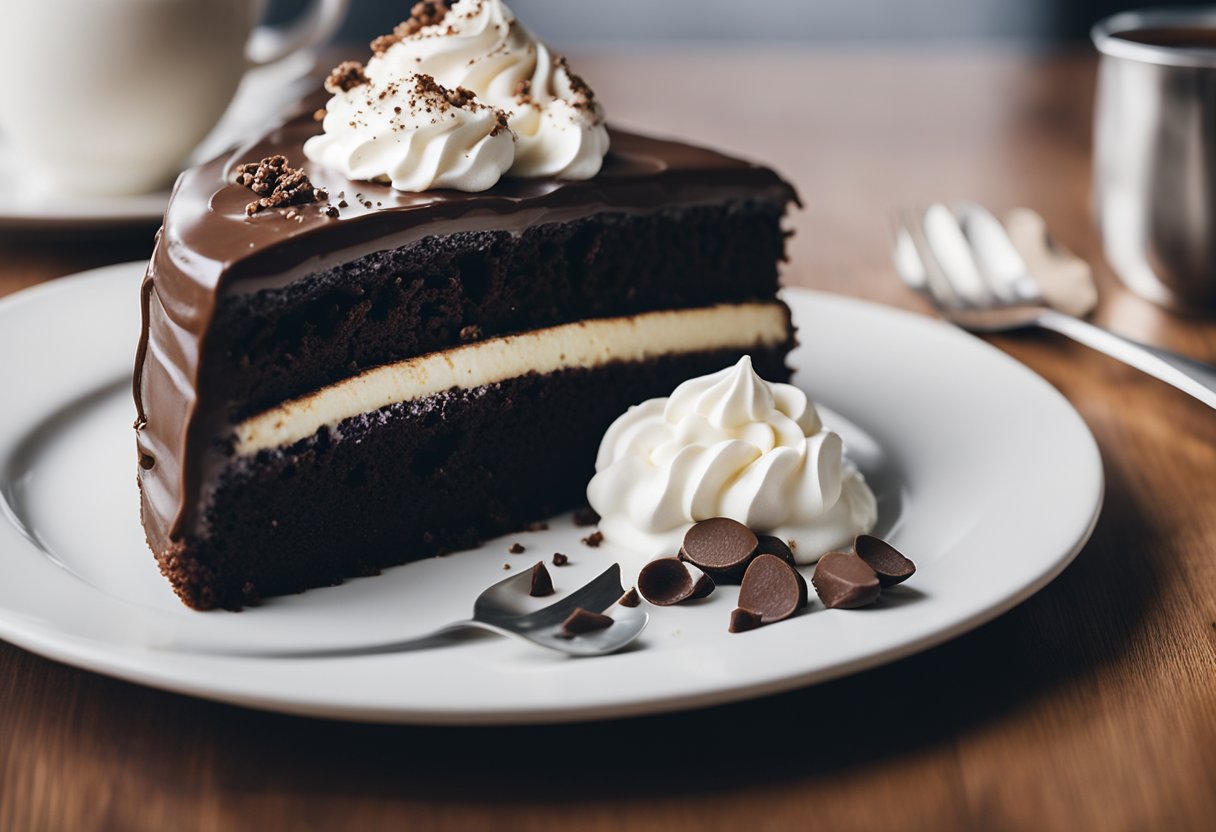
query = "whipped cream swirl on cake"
{"x": 732, "y": 445}
{"x": 416, "y": 134}
{"x": 556, "y": 127}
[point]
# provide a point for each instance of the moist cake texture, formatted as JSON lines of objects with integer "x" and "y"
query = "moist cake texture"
{"x": 245, "y": 316}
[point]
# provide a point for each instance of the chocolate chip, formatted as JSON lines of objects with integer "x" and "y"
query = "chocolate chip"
{"x": 772, "y": 589}
{"x": 718, "y": 544}
{"x": 542, "y": 584}
{"x": 586, "y": 516}
{"x": 742, "y": 620}
{"x": 721, "y": 547}
{"x": 559, "y": 559}
{"x": 584, "y": 621}
{"x": 516, "y": 549}
{"x": 669, "y": 581}
{"x": 891, "y": 566}
{"x": 594, "y": 539}
{"x": 775, "y": 546}
{"x": 630, "y": 598}
{"x": 845, "y": 581}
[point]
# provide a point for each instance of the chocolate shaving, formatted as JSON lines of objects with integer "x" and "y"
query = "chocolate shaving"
{"x": 278, "y": 184}
{"x": 542, "y": 583}
{"x": 584, "y": 621}
{"x": 345, "y": 77}
{"x": 630, "y": 598}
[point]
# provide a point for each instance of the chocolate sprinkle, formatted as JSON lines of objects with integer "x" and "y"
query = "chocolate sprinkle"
{"x": 542, "y": 583}
{"x": 891, "y": 566}
{"x": 584, "y": 621}
{"x": 742, "y": 620}
{"x": 845, "y": 581}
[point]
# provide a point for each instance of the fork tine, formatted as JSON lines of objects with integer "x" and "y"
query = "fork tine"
{"x": 954, "y": 257}
{"x": 1001, "y": 266}
{"x": 928, "y": 271}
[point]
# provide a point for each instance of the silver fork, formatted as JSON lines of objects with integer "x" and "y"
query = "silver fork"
{"x": 502, "y": 609}
{"x": 989, "y": 277}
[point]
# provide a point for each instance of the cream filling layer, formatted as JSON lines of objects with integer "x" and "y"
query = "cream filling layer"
{"x": 582, "y": 345}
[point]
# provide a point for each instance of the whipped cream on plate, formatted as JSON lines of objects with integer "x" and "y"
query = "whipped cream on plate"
{"x": 478, "y": 50}
{"x": 732, "y": 445}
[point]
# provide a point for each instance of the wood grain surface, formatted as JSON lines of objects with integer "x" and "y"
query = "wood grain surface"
{"x": 1090, "y": 706}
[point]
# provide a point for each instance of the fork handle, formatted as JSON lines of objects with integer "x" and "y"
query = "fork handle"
{"x": 1187, "y": 374}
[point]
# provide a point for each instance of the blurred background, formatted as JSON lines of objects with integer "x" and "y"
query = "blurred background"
{"x": 578, "y": 22}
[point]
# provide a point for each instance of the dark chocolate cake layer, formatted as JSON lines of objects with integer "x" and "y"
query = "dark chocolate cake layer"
{"x": 416, "y": 479}
{"x": 460, "y": 288}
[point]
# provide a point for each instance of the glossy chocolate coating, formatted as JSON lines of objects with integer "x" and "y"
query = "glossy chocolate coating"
{"x": 209, "y": 248}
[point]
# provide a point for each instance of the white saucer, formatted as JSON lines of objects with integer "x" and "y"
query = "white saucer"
{"x": 987, "y": 478}
{"x": 263, "y": 93}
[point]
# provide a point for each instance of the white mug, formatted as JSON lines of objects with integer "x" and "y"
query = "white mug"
{"x": 108, "y": 97}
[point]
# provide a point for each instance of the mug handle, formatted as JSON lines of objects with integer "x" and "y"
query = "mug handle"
{"x": 269, "y": 44}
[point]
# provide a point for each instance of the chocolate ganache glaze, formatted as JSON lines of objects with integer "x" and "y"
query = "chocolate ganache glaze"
{"x": 208, "y": 249}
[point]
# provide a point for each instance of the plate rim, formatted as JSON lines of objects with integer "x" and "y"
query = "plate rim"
{"x": 116, "y": 660}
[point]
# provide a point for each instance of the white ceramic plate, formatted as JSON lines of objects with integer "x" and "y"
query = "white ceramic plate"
{"x": 263, "y": 93}
{"x": 986, "y": 476}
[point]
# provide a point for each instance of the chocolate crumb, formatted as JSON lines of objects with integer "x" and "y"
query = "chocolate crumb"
{"x": 542, "y": 584}
{"x": 277, "y": 184}
{"x": 342, "y": 203}
{"x": 630, "y": 598}
{"x": 470, "y": 333}
{"x": 593, "y": 540}
{"x": 584, "y": 621}
{"x": 516, "y": 549}
{"x": 523, "y": 92}
{"x": 506, "y": 566}
{"x": 559, "y": 559}
{"x": 586, "y": 516}
{"x": 331, "y": 211}
{"x": 537, "y": 526}
{"x": 345, "y": 77}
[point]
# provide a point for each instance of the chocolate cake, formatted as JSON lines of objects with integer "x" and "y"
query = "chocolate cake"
{"x": 336, "y": 376}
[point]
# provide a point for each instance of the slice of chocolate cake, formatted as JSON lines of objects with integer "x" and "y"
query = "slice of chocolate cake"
{"x": 335, "y": 376}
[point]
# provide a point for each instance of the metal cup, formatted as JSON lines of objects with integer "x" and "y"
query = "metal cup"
{"x": 1155, "y": 158}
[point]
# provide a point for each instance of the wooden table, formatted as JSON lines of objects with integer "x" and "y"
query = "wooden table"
{"x": 1090, "y": 706}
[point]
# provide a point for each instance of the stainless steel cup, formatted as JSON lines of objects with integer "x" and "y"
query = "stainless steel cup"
{"x": 1155, "y": 158}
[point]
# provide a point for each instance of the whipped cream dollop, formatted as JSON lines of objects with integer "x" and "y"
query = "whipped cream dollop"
{"x": 556, "y": 127}
{"x": 416, "y": 134}
{"x": 732, "y": 445}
